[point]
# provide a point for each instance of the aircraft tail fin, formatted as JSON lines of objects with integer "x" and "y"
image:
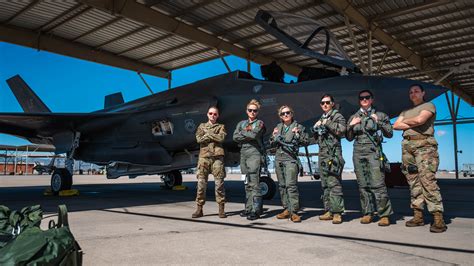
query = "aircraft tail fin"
{"x": 113, "y": 100}
{"x": 29, "y": 101}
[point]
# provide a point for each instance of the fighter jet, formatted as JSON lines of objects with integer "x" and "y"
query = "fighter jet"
{"x": 156, "y": 134}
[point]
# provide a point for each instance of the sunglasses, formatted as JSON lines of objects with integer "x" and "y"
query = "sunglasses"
{"x": 213, "y": 114}
{"x": 285, "y": 113}
{"x": 368, "y": 97}
{"x": 325, "y": 103}
{"x": 252, "y": 110}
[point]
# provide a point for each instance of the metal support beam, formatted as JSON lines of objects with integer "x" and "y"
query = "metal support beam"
{"x": 103, "y": 25}
{"x": 369, "y": 44}
{"x": 144, "y": 82}
{"x": 169, "y": 80}
{"x": 60, "y": 17}
{"x": 121, "y": 37}
{"x": 61, "y": 46}
{"x": 345, "y": 8}
{"x": 410, "y": 9}
{"x": 354, "y": 42}
{"x": 152, "y": 18}
{"x": 383, "y": 60}
{"x": 71, "y": 18}
{"x": 22, "y": 11}
{"x": 223, "y": 61}
{"x": 453, "y": 111}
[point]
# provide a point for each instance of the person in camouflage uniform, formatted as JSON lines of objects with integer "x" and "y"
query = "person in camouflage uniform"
{"x": 368, "y": 127}
{"x": 249, "y": 135}
{"x": 328, "y": 131}
{"x": 287, "y": 137}
{"x": 420, "y": 159}
{"x": 210, "y": 136}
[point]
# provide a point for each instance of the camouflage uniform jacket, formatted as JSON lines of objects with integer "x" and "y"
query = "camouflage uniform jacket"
{"x": 368, "y": 126}
{"x": 336, "y": 127}
{"x": 210, "y": 137}
{"x": 287, "y": 142}
{"x": 249, "y": 136}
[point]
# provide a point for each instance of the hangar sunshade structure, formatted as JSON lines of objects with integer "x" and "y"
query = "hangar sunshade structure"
{"x": 431, "y": 41}
{"x": 421, "y": 40}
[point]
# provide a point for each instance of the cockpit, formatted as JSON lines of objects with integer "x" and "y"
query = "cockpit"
{"x": 306, "y": 37}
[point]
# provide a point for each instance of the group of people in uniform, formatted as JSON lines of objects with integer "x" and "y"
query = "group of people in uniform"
{"x": 366, "y": 127}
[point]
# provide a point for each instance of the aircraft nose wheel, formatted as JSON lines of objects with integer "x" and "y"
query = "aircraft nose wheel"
{"x": 61, "y": 179}
{"x": 171, "y": 179}
{"x": 267, "y": 187}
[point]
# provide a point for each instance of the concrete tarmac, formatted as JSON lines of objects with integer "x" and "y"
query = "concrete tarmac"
{"x": 136, "y": 222}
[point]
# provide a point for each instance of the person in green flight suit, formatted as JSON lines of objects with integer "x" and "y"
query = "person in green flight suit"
{"x": 368, "y": 127}
{"x": 249, "y": 135}
{"x": 287, "y": 137}
{"x": 328, "y": 131}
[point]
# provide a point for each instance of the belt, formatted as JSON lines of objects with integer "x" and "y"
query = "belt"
{"x": 416, "y": 137}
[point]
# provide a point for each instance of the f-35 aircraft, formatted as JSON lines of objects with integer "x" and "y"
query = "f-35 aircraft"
{"x": 156, "y": 134}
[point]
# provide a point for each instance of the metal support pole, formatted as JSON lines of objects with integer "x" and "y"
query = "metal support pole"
{"x": 169, "y": 80}
{"x": 223, "y": 60}
{"x": 453, "y": 111}
{"x": 5, "y": 166}
{"x": 445, "y": 76}
{"x": 369, "y": 40}
{"x": 144, "y": 81}
{"x": 248, "y": 65}
{"x": 16, "y": 155}
{"x": 354, "y": 42}
{"x": 26, "y": 161}
{"x": 383, "y": 60}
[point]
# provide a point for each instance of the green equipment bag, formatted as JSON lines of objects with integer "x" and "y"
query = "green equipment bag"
{"x": 22, "y": 242}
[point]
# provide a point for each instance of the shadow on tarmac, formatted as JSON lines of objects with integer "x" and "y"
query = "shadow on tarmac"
{"x": 456, "y": 196}
{"x": 258, "y": 226}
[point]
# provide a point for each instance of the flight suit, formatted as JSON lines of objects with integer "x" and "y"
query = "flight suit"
{"x": 287, "y": 164}
{"x": 211, "y": 160}
{"x": 330, "y": 161}
{"x": 249, "y": 136}
{"x": 421, "y": 160}
{"x": 368, "y": 158}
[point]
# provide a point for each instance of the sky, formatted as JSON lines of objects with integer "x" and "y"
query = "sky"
{"x": 67, "y": 84}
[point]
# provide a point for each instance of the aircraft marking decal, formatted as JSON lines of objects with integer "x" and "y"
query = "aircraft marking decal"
{"x": 189, "y": 125}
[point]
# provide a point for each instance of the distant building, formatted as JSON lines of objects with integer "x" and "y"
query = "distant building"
{"x": 9, "y": 169}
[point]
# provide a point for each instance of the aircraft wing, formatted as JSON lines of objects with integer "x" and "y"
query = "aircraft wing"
{"x": 41, "y": 127}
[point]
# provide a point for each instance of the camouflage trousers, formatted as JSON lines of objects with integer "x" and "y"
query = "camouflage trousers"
{"x": 287, "y": 174}
{"x": 331, "y": 184}
{"x": 214, "y": 165}
{"x": 250, "y": 166}
{"x": 420, "y": 162}
{"x": 371, "y": 181}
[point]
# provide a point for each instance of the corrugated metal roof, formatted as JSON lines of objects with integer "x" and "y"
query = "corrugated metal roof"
{"x": 441, "y": 32}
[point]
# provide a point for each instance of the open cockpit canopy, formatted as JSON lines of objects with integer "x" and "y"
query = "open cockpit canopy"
{"x": 306, "y": 37}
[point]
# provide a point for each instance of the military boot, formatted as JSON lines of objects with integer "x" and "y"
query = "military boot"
{"x": 417, "y": 219}
{"x": 283, "y": 215}
{"x": 327, "y": 216}
{"x": 366, "y": 219}
{"x": 384, "y": 221}
{"x": 221, "y": 211}
{"x": 198, "y": 212}
{"x": 337, "y": 218}
{"x": 295, "y": 218}
{"x": 253, "y": 216}
{"x": 438, "y": 225}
